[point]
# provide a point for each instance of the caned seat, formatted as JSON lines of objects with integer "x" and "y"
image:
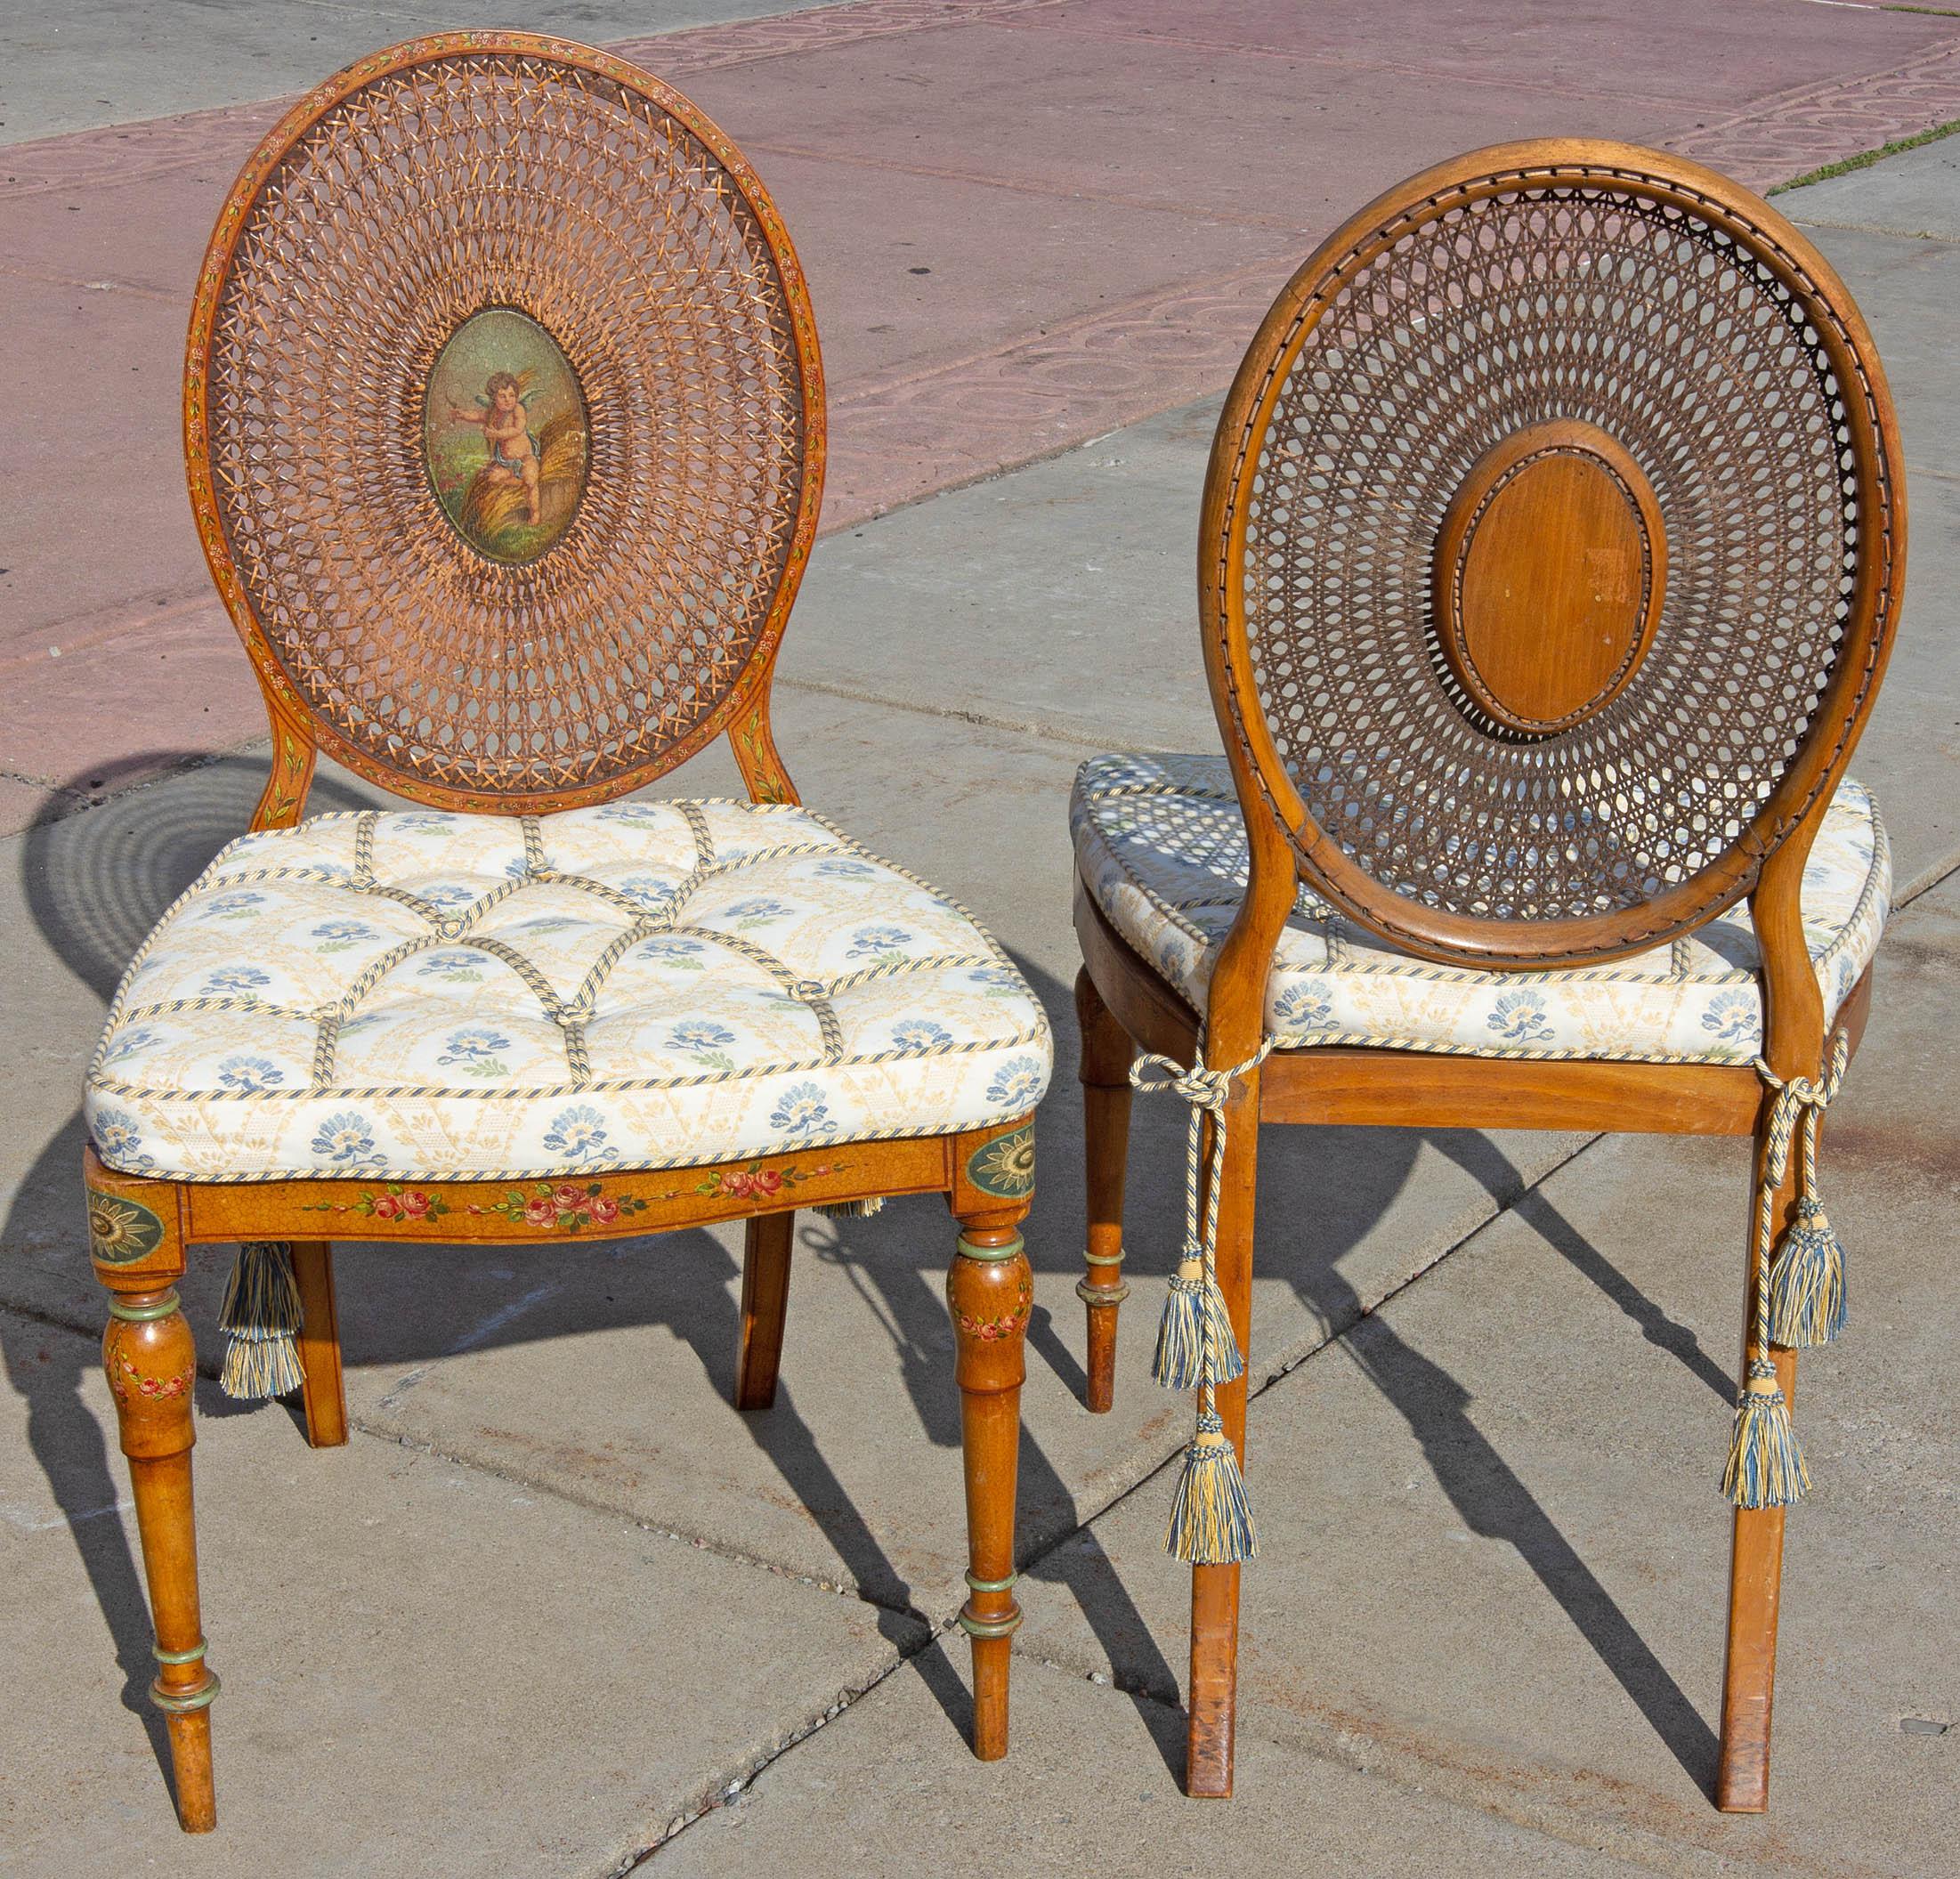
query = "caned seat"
{"x": 642, "y": 984}
{"x": 504, "y": 426}
{"x": 1161, "y": 846}
{"x": 1551, "y": 553}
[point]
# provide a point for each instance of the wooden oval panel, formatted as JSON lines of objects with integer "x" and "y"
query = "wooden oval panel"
{"x": 1550, "y": 574}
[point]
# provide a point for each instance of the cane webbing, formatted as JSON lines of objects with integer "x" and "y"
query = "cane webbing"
{"x": 1707, "y": 345}
{"x": 486, "y": 172}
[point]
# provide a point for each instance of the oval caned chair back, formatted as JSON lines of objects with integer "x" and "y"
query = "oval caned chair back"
{"x": 505, "y": 422}
{"x": 1553, "y": 548}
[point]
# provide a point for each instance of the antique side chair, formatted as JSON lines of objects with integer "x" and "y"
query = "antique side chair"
{"x": 505, "y": 425}
{"x": 1551, "y": 553}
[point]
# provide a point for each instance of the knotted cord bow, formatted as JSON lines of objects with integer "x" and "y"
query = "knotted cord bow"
{"x": 1211, "y": 1519}
{"x": 1799, "y": 1290}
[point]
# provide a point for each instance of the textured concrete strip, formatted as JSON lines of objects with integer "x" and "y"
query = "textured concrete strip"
{"x": 1809, "y": 129}
{"x": 1493, "y": 1559}
{"x": 1685, "y": 55}
{"x": 1146, "y": 226}
{"x": 62, "y": 135}
{"x": 818, "y": 29}
{"x": 906, "y": 277}
{"x": 149, "y": 698}
{"x": 95, "y": 62}
{"x": 426, "y": 1671}
{"x": 610, "y": 1384}
{"x": 1087, "y": 1786}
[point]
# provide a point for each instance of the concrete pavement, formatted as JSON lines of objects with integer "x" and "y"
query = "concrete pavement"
{"x": 1484, "y": 1632}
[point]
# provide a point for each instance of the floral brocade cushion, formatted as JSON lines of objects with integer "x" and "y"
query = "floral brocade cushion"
{"x": 1161, "y": 843}
{"x": 645, "y": 984}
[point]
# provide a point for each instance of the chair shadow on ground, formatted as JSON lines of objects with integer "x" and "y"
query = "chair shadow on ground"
{"x": 1487, "y": 1493}
{"x": 97, "y": 879}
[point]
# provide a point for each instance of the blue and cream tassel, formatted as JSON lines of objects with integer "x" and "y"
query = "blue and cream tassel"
{"x": 1807, "y": 1278}
{"x": 1798, "y": 1292}
{"x": 1210, "y": 1518}
{"x": 262, "y": 1312}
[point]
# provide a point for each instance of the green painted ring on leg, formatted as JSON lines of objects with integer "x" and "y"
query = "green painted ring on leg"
{"x": 1111, "y": 1295}
{"x": 990, "y": 1255}
{"x": 184, "y": 1703}
{"x": 162, "y": 1307}
{"x": 990, "y": 1627}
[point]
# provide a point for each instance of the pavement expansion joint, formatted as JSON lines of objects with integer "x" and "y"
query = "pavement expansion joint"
{"x": 1082, "y": 736}
{"x": 1878, "y": 228}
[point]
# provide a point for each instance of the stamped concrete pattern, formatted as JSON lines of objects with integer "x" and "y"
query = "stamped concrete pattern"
{"x": 556, "y": 1607}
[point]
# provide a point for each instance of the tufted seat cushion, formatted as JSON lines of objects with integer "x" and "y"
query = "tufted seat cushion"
{"x": 1161, "y": 843}
{"x": 647, "y": 984}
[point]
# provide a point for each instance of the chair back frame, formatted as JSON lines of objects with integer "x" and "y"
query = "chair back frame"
{"x": 300, "y": 729}
{"x": 1288, "y": 849}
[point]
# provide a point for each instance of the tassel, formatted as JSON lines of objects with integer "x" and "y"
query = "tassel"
{"x": 1180, "y": 1332}
{"x": 851, "y": 1210}
{"x": 1806, "y": 1283}
{"x": 1765, "y": 1465}
{"x": 1194, "y": 1327}
{"x": 262, "y": 1312}
{"x": 1211, "y": 1518}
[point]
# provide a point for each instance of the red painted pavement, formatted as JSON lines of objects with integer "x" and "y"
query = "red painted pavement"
{"x": 1106, "y": 194}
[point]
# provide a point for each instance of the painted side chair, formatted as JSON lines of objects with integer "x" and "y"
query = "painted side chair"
{"x": 505, "y": 425}
{"x": 1551, "y": 553}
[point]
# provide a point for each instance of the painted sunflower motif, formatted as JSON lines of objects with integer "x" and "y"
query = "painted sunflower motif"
{"x": 1005, "y": 1166}
{"x": 120, "y": 1232}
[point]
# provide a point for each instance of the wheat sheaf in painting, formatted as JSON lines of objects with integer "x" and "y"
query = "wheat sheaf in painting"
{"x": 505, "y": 431}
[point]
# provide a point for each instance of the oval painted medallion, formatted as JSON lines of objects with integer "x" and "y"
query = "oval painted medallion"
{"x": 504, "y": 431}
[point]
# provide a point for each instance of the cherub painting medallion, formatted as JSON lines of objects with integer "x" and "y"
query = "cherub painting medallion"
{"x": 505, "y": 433}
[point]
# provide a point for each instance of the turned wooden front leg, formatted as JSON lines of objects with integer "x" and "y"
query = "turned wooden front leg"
{"x": 1107, "y": 1054}
{"x": 151, "y": 1364}
{"x": 990, "y": 1291}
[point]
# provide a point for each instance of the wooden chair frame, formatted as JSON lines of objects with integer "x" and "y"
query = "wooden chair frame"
{"x": 1124, "y": 1004}
{"x": 141, "y": 1230}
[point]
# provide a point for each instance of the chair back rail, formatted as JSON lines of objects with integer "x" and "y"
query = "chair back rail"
{"x": 503, "y": 424}
{"x": 1552, "y": 546}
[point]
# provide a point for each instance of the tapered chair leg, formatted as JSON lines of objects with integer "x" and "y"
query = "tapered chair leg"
{"x": 990, "y": 1291}
{"x": 765, "y": 1304}
{"x": 1107, "y": 1054}
{"x": 1755, "y": 1578}
{"x": 323, "y": 1390}
{"x": 151, "y": 1364}
{"x": 1213, "y": 1700}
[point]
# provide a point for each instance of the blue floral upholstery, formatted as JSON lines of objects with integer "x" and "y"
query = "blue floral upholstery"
{"x": 1161, "y": 843}
{"x": 646, "y": 984}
